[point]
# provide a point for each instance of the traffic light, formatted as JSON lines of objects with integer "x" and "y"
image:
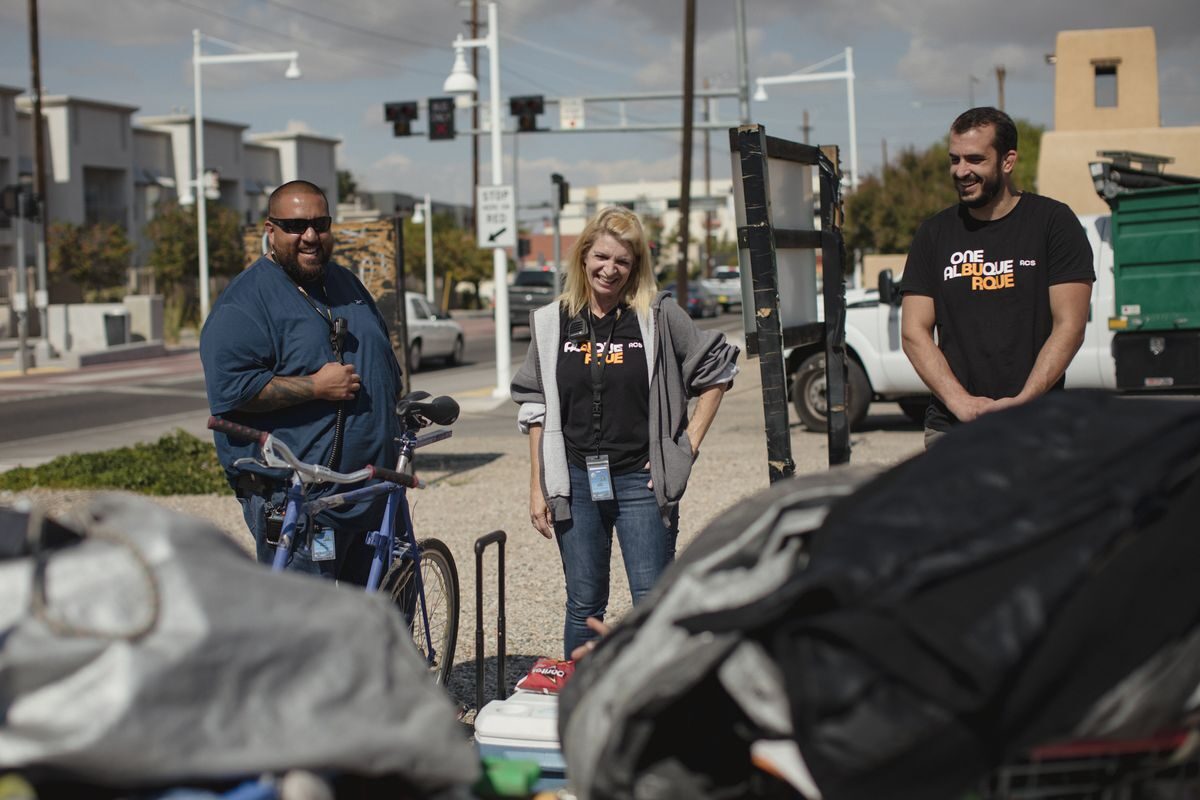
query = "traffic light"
{"x": 441, "y": 118}
{"x": 525, "y": 109}
{"x": 401, "y": 116}
{"x": 10, "y": 203}
{"x": 563, "y": 196}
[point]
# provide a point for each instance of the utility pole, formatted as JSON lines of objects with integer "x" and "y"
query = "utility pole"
{"x": 708, "y": 214}
{"x": 401, "y": 327}
{"x": 883, "y": 171}
{"x": 685, "y": 188}
{"x": 475, "y": 114}
{"x": 1000, "y": 73}
{"x": 743, "y": 66}
{"x": 805, "y": 128}
{"x": 21, "y": 300}
{"x": 556, "y": 202}
{"x": 41, "y": 296}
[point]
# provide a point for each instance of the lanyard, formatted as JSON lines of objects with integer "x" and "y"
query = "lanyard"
{"x": 337, "y": 328}
{"x": 598, "y": 372}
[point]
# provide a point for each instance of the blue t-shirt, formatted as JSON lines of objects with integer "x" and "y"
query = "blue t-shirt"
{"x": 262, "y": 326}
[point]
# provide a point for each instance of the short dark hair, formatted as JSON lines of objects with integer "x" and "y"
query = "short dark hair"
{"x": 1006, "y": 131}
{"x": 295, "y": 187}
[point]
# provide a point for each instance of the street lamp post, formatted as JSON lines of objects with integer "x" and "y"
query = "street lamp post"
{"x": 462, "y": 82}
{"x": 424, "y": 216}
{"x": 198, "y": 189}
{"x": 807, "y": 76}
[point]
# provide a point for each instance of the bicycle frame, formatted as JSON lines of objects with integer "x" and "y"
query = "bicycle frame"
{"x": 382, "y": 541}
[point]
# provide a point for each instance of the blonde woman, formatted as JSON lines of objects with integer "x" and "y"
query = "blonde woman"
{"x": 610, "y": 441}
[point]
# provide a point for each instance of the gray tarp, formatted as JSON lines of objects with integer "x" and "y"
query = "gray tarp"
{"x": 162, "y": 653}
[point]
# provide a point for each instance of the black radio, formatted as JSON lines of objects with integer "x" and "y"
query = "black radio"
{"x": 578, "y": 330}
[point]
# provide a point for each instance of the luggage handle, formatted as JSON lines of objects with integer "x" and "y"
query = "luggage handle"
{"x": 498, "y": 538}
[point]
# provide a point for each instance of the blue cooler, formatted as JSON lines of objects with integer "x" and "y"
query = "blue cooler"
{"x": 524, "y": 727}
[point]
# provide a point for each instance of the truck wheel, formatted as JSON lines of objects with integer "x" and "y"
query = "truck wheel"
{"x": 808, "y": 394}
{"x": 914, "y": 407}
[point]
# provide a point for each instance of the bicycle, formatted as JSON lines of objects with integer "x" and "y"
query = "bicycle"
{"x": 416, "y": 575}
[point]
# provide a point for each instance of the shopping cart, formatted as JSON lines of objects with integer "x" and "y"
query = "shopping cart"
{"x": 1161, "y": 767}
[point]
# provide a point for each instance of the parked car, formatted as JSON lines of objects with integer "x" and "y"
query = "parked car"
{"x": 530, "y": 289}
{"x": 431, "y": 334}
{"x": 726, "y": 284}
{"x": 700, "y": 301}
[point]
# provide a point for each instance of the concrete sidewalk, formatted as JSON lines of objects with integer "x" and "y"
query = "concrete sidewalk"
{"x": 478, "y": 481}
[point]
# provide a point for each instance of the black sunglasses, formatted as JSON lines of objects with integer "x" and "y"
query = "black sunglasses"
{"x": 298, "y": 226}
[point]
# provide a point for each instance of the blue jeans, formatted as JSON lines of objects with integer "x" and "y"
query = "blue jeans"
{"x": 353, "y": 562}
{"x": 585, "y": 544}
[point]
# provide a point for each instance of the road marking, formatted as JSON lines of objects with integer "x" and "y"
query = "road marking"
{"x": 152, "y": 390}
{"x": 116, "y": 374}
{"x": 8, "y": 370}
{"x": 193, "y": 419}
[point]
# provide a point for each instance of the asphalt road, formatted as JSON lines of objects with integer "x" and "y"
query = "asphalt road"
{"x": 50, "y": 413}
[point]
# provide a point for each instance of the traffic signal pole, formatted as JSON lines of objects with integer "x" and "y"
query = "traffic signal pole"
{"x": 21, "y": 300}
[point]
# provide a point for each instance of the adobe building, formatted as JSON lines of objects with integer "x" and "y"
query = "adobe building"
{"x": 1106, "y": 98}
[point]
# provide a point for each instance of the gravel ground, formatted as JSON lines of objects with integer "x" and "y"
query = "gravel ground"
{"x": 479, "y": 484}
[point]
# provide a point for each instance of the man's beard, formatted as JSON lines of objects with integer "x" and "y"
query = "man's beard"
{"x": 291, "y": 266}
{"x": 989, "y": 187}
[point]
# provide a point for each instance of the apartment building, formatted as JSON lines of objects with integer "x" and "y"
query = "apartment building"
{"x": 104, "y": 166}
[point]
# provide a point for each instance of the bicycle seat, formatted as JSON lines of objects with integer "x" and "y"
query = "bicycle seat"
{"x": 417, "y": 410}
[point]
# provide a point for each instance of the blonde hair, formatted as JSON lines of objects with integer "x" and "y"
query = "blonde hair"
{"x": 624, "y": 226}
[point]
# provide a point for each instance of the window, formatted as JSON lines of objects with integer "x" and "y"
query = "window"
{"x": 533, "y": 277}
{"x": 418, "y": 308}
{"x": 1106, "y": 84}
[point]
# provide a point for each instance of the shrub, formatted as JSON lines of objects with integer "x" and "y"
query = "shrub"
{"x": 178, "y": 463}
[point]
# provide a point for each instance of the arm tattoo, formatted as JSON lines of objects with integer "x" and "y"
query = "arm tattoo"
{"x": 282, "y": 392}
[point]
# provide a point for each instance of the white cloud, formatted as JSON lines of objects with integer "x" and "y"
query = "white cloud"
{"x": 393, "y": 161}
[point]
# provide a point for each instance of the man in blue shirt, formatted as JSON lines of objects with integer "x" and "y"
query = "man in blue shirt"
{"x": 270, "y": 362}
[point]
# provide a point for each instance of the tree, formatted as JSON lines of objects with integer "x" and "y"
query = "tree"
{"x": 1029, "y": 146}
{"x": 724, "y": 251}
{"x": 175, "y": 259}
{"x": 96, "y": 257}
{"x": 456, "y": 256}
{"x": 883, "y": 214}
{"x": 347, "y": 186}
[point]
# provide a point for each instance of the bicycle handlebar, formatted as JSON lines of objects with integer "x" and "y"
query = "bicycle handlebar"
{"x": 277, "y": 454}
{"x": 395, "y": 477}
{"x": 237, "y": 431}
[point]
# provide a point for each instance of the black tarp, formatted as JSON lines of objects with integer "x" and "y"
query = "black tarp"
{"x": 967, "y": 604}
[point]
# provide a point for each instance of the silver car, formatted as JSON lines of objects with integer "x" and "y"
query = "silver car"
{"x": 431, "y": 334}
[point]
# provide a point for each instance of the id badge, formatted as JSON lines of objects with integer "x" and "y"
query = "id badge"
{"x": 323, "y": 545}
{"x": 599, "y": 478}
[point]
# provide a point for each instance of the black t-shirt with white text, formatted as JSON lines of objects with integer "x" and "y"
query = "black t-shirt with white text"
{"x": 624, "y": 395}
{"x": 990, "y": 283}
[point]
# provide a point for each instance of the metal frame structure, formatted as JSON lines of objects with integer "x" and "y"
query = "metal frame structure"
{"x": 761, "y": 238}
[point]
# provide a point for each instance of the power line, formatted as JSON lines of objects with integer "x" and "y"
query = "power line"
{"x": 578, "y": 59}
{"x": 351, "y": 28}
{"x": 292, "y": 37}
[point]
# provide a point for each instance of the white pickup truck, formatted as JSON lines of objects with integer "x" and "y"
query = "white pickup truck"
{"x": 726, "y": 286}
{"x": 877, "y": 368}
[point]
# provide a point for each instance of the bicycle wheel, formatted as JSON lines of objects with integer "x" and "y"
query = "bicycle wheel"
{"x": 439, "y": 579}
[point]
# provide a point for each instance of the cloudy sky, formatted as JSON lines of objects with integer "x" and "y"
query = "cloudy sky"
{"x": 917, "y": 62}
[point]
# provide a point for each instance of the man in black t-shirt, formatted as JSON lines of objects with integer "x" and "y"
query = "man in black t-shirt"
{"x": 1005, "y": 277}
